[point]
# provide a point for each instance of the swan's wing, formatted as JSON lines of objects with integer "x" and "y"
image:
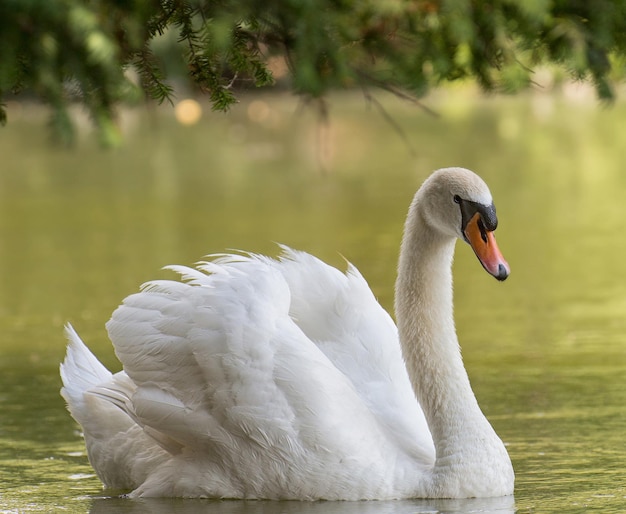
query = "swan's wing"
{"x": 341, "y": 315}
{"x": 221, "y": 369}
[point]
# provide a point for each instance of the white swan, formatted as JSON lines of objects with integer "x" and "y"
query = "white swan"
{"x": 285, "y": 379}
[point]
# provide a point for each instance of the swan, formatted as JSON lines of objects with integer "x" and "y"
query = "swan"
{"x": 262, "y": 378}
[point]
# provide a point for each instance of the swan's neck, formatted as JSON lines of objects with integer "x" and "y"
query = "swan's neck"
{"x": 470, "y": 458}
{"x": 430, "y": 346}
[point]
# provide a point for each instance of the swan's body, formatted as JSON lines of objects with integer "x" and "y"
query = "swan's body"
{"x": 285, "y": 379}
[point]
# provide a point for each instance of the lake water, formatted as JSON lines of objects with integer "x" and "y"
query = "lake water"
{"x": 546, "y": 350}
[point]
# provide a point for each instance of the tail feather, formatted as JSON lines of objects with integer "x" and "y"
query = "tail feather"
{"x": 118, "y": 448}
{"x": 80, "y": 371}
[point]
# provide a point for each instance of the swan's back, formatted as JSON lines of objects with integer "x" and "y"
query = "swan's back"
{"x": 265, "y": 378}
{"x": 340, "y": 314}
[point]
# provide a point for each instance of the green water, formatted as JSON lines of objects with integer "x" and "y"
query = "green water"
{"x": 546, "y": 350}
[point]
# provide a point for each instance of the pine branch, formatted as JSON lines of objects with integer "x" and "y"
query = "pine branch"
{"x": 152, "y": 78}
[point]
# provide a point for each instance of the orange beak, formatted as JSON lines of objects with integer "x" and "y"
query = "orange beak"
{"x": 483, "y": 242}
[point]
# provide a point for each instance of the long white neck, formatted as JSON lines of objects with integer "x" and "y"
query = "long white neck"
{"x": 425, "y": 319}
{"x": 471, "y": 460}
{"x": 424, "y": 312}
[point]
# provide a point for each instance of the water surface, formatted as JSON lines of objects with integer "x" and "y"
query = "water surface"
{"x": 546, "y": 350}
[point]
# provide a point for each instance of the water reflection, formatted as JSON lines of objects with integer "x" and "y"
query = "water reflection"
{"x": 504, "y": 505}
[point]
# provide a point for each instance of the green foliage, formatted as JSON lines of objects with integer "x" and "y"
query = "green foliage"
{"x": 67, "y": 51}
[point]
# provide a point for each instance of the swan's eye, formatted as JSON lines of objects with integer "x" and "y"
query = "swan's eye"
{"x": 457, "y": 199}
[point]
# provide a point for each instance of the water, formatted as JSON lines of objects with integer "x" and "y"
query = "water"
{"x": 545, "y": 350}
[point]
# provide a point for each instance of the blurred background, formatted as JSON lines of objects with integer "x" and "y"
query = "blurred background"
{"x": 83, "y": 227}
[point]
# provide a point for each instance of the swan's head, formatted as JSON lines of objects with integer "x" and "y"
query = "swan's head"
{"x": 458, "y": 203}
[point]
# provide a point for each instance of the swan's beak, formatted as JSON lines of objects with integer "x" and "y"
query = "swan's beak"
{"x": 483, "y": 242}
